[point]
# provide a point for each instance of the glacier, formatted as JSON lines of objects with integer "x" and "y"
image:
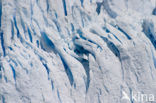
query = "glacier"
{"x": 77, "y": 51}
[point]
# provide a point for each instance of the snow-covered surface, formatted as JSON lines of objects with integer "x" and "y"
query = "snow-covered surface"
{"x": 76, "y": 51}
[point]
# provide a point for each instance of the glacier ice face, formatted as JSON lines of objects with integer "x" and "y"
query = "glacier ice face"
{"x": 77, "y": 51}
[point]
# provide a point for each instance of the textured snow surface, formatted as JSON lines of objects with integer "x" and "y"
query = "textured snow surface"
{"x": 76, "y": 51}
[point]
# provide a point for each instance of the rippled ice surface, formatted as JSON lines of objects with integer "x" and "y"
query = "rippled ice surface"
{"x": 77, "y": 51}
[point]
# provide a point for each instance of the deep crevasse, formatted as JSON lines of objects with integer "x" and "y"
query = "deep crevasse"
{"x": 77, "y": 51}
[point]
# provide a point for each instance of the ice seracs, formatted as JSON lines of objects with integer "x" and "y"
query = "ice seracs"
{"x": 77, "y": 51}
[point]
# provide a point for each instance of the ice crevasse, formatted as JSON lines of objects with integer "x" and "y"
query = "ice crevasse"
{"x": 77, "y": 51}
